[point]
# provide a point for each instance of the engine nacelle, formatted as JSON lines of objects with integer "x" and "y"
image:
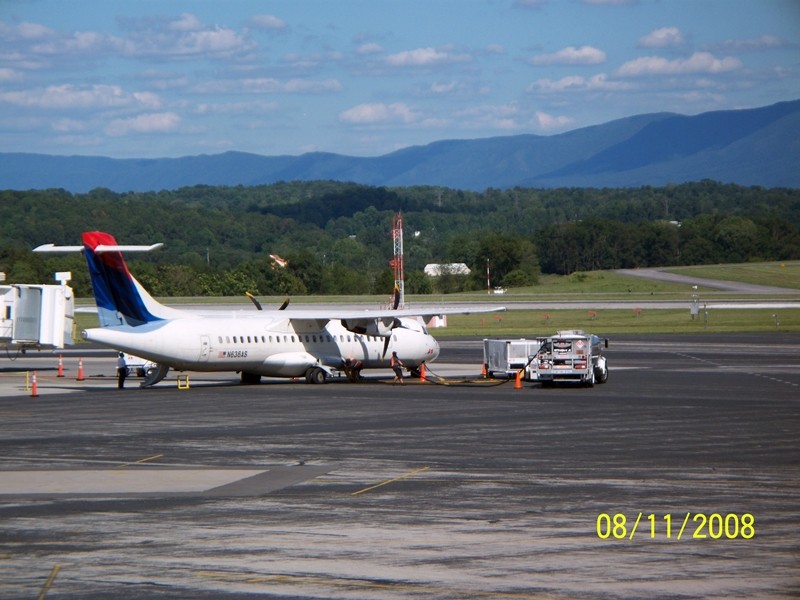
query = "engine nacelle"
{"x": 375, "y": 327}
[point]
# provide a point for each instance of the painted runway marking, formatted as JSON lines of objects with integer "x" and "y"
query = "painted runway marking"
{"x": 141, "y": 461}
{"x": 107, "y": 481}
{"x": 388, "y": 481}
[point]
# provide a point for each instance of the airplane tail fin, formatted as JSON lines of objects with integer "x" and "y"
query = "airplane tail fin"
{"x": 121, "y": 300}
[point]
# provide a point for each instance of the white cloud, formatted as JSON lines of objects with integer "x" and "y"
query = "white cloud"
{"x": 147, "y": 100}
{"x": 292, "y": 86}
{"x": 549, "y": 122}
{"x": 311, "y": 61}
{"x": 10, "y": 75}
{"x": 577, "y": 83}
{"x": 371, "y": 114}
{"x": 29, "y": 31}
{"x": 214, "y": 41}
{"x": 443, "y": 88}
{"x": 69, "y": 97}
{"x": 369, "y": 48}
{"x": 181, "y": 38}
{"x": 150, "y": 123}
{"x": 32, "y": 39}
{"x": 267, "y": 22}
{"x": 492, "y": 116}
{"x": 571, "y": 55}
{"x": 764, "y": 42}
{"x": 85, "y": 41}
{"x": 186, "y": 22}
{"x": 424, "y": 57}
{"x": 665, "y": 37}
{"x": 269, "y": 85}
{"x": 67, "y": 125}
{"x": 236, "y": 108}
{"x": 699, "y": 62}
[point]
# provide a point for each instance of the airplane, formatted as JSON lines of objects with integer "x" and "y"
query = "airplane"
{"x": 285, "y": 342}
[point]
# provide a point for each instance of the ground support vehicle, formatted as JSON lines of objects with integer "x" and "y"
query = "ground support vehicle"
{"x": 138, "y": 366}
{"x": 507, "y": 357}
{"x": 569, "y": 356}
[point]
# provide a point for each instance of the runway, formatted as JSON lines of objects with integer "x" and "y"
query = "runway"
{"x": 455, "y": 489}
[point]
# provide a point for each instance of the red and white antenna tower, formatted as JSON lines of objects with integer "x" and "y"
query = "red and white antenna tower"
{"x": 397, "y": 261}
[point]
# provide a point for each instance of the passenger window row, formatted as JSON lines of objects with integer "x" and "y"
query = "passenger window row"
{"x": 290, "y": 339}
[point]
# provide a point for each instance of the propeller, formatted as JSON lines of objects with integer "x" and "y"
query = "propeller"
{"x": 396, "y": 295}
{"x": 396, "y": 324}
{"x": 258, "y": 304}
{"x": 255, "y": 301}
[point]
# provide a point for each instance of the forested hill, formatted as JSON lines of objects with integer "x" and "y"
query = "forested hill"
{"x": 748, "y": 147}
{"x": 336, "y": 236}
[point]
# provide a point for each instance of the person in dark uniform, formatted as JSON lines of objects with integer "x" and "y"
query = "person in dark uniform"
{"x": 122, "y": 370}
{"x": 352, "y": 368}
{"x": 397, "y": 367}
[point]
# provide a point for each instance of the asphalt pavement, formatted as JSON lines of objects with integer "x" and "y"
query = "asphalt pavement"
{"x": 678, "y": 478}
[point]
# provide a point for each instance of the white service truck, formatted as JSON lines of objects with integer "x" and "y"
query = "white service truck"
{"x": 573, "y": 356}
{"x": 506, "y": 357}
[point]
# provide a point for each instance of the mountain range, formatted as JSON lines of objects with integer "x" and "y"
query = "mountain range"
{"x": 759, "y": 146}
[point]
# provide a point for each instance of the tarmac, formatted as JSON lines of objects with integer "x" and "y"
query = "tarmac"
{"x": 678, "y": 478}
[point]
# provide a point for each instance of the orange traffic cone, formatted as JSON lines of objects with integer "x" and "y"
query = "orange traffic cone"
{"x": 34, "y": 388}
{"x": 484, "y": 374}
{"x": 422, "y": 372}
{"x": 80, "y": 370}
{"x": 60, "y": 366}
{"x": 518, "y": 381}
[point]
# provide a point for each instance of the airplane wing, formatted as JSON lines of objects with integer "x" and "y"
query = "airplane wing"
{"x": 379, "y": 322}
{"x": 423, "y": 311}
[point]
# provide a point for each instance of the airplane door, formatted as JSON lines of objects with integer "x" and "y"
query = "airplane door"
{"x": 205, "y": 347}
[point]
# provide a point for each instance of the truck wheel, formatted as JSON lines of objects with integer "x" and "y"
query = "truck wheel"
{"x": 601, "y": 375}
{"x": 589, "y": 381}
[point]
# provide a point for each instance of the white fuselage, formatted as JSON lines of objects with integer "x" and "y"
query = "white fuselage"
{"x": 269, "y": 346}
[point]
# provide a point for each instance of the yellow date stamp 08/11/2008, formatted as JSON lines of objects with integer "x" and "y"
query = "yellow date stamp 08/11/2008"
{"x": 697, "y": 526}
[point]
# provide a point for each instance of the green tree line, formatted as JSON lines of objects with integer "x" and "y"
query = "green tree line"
{"x": 336, "y": 236}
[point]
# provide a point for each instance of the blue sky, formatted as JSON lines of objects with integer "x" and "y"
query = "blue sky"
{"x": 145, "y": 78}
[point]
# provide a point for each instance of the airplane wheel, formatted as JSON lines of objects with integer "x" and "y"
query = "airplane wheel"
{"x": 316, "y": 375}
{"x": 250, "y": 378}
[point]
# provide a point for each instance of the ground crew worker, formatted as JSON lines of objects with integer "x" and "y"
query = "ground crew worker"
{"x": 397, "y": 367}
{"x": 352, "y": 368}
{"x": 122, "y": 370}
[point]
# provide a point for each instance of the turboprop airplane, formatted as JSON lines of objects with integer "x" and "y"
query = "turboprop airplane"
{"x": 286, "y": 342}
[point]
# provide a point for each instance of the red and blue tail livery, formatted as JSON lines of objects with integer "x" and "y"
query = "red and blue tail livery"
{"x": 116, "y": 292}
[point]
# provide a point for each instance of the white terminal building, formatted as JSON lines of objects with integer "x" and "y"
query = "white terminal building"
{"x": 437, "y": 270}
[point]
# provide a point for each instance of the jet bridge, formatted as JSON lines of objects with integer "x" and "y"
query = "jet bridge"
{"x": 36, "y": 316}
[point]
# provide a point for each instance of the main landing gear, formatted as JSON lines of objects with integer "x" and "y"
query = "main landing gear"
{"x": 250, "y": 378}
{"x": 316, "y": 375}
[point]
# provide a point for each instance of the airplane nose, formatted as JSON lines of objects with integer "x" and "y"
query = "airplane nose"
{"x": 434, "y": 349}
